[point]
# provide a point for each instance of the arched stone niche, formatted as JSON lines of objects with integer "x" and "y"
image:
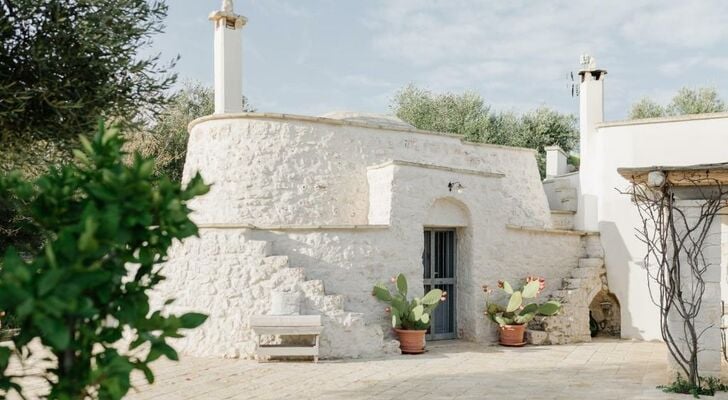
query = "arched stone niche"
{"x": 605, "y": 310}
{"x": 447, "y": 212}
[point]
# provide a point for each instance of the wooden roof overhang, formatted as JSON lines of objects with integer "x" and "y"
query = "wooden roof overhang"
{"x": 691, "y": 175}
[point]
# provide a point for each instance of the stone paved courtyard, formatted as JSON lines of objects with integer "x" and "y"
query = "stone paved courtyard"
{"x": 604, "y": 369}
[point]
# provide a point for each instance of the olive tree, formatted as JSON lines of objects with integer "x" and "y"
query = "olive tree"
{"x": 686, "y": 101}
{"x": 65, "y": 63}
{"x": 84, "y": 295}
{"x": 467, "y": 114}
{"x": 165, "y": 139}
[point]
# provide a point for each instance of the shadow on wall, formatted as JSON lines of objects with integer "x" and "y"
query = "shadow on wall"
{"x": 627, "y": 283}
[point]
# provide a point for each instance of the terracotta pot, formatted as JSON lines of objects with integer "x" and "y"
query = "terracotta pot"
{"x": 512, "y": 335}
{"x": 411, "y": 342}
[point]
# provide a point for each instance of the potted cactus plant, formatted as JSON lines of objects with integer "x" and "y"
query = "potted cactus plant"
{"x": 410, "y": 318}
{"x": 513, "y": 316}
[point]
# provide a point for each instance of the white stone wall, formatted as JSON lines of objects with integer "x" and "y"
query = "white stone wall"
{"x": 303, "y": 183}
{"x": 299, "y": 170}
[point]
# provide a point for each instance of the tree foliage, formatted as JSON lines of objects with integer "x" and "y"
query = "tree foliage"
{"x": 467, "y": 114}
{"x": 165, "y": 139}
{"x": 686, "y": 101}
{"x": 65, "y": 63}
{"x": 106, "y": 227}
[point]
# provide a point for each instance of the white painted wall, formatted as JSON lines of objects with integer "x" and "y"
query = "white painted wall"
{"x": 339, "y": 179}
{"x": 697, "y": 139}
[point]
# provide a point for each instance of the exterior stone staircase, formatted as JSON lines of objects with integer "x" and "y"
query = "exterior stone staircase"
{"x": 345, "y": 333}
{"x": 571, "y": 325}
{"x": 230, "y": 278}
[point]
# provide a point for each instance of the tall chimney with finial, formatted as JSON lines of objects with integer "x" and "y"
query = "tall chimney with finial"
{"x": 228, "y": 59}
{"x": 591, "y": 113}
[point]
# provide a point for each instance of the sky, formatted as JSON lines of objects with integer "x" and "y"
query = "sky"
{"x": 316, "y": 56}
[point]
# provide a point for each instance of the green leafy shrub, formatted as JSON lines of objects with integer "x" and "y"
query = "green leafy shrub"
{"x": 106, "y": 228}
{"x": 516, "y": 311}
{"x": 415, "y": 314}
{"x": 708, "y": 386}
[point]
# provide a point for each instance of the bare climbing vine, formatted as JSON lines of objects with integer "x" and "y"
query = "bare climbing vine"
{"x": 675, "y": 238}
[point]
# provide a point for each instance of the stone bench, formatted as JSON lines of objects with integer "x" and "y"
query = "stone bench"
{"x": 286, "y": 325}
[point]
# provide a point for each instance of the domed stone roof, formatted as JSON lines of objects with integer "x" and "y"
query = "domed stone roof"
{"x": 369, "y": 118}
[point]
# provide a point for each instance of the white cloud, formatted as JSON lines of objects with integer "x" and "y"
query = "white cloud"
{"x": 491, "y": 46}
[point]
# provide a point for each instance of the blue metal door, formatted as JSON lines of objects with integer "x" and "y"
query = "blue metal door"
{"x": 439, "y": 262}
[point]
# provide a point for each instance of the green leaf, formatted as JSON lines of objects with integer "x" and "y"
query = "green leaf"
{"x": 530, "y": 308}
{"x": 530, "y": 290}
{"x": 432, "y": 297}
{"x": 148, "y": 374}
{"x": 49, "y": 281}
{"x": 192, "y": 320}
{"x": 425, "y": 318}
{"x": 549, "y": 308}
{"x": 515, "y": 302}
{"x": 146, "y": 168}
{"x": 400, "y": 307}
{"x": 381, "y": 292}
{"x": 417, "y": 312}
{"x": 166, "y": 350}
{"x": 54, "y": 331}
{"x": 522, "y": 319}
{"x": 507, "y": 287}
{"x": 395, "y": 321}
{"x": 109, "y": 134}
{"x": 87, "y": 242}
{"x": 402, "y": 285}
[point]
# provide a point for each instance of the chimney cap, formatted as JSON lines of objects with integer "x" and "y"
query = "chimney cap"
{"x": 589, "y": 64}
{"x": 227, "y": 13}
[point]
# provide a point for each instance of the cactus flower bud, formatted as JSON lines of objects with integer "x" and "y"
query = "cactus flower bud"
{"x": 443, "y": 298}
{"x": 393, "y": 279}
{"x": 500, "y": 284}
{"x": 387, "y": 310}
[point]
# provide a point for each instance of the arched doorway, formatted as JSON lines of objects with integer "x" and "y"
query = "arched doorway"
{"x": 443, "y": 226}
{"x": 604, "y": 311}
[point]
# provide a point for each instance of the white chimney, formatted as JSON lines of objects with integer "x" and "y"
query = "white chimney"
{"x": 591, "y": 94}
{"x": 556, "y": 161}
{"x": 591, "y": 113}
{"x": 228, "y": 59}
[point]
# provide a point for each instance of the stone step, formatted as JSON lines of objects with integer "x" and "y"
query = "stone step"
{"x": 563, "y": 295}
{"x": 313, "y": 287}
{"x": 261, "y": 248}
{"x": 591, "y": 262}
{"x": 315, "y": 302}
{"x": 593, "y": 246}
{"x": 571, "y": 283}
{"x": 536, "y": 337}
{"x": 585, "y": 272}
{"x": 562, "y": 219}
{"x": 334, "y": 302}
{"x": 276, "y": 262}
{"x": 288, "y": 278}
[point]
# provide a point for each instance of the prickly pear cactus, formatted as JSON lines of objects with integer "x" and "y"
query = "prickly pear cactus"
{"x": 515, "y": 312}
{"x": 414, "y": 314}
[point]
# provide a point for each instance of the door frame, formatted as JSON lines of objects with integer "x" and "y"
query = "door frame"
{"x": 432, "y": 282}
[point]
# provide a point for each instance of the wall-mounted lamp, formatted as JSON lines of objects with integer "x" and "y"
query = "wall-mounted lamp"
{"x": 456, "y": 186}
